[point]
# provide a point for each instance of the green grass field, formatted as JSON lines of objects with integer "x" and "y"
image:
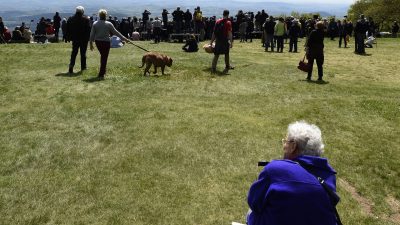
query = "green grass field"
{"x": 183, "y": 148}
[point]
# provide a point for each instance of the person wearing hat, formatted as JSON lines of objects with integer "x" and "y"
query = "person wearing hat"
{"x": 165, "y": 18}
{"x": 78, "y": 31}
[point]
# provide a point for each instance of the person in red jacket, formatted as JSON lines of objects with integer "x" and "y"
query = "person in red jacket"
{"x": 222, "y": 36}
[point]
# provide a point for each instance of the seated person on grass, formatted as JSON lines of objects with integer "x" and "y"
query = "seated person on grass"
{"x": 191, "y": 44}
{"x": 17, "y": 36}
{"x": 287, "y": 191}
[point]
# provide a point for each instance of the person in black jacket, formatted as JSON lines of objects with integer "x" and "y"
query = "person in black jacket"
{"x": 57, "y": 24}
{"x": 294, "y": 32}
{"x": 177, "y": 17}
{"x": 315, "y": 50}
{"x": 78, "y": 31}
{"x": 2, "y": 31}
{"x": 191, "y": 45}
{"x": 342, "y": 32}
{"x": 269, "y": 29}
{"x": 360, "y": 34}
{"x": 395, "y": 29}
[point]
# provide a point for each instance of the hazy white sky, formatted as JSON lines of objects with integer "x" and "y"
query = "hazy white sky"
{"x": 348, "y": 2}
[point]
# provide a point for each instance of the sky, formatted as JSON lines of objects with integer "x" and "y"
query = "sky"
{"x": 347, "y": 2}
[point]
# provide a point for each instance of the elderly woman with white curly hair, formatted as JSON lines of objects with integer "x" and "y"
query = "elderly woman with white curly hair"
{"x": 287, "y": 191}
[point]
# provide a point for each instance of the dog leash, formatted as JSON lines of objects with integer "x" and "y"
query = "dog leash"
{"x": 139, "y": 47}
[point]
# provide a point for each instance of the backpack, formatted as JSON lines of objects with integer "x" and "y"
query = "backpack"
{"x": 219, "y": 30}
{"x": 199, "y": 16}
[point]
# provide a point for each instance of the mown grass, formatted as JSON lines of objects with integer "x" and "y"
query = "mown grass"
{"x": 183, "y": 148}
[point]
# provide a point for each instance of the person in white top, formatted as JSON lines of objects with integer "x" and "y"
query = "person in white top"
{"x": 100, "y": 34}
{"x": 157, "y": 24}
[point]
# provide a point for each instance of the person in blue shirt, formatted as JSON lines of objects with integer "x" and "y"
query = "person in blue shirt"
{"x": 287, "y": 191}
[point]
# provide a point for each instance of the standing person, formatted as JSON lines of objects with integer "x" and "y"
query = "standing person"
{"x": 332, "y": 29}
{"x": 242, "y": 30}
{"x": 280, "y": 30}
{"x": 57, "y": 24}
{"x": 288, "y": 191}
{"x": 223, "y": 41}
{"x": 269, "y": 29}
{"x": 198, "y": 19}
{"x": 100, "y": 34}
{"x": 2, "y": 30}
{"x": 342, "y": 33}
{"x": 188, "y": 21}
{"x": 315, "y": 50}
{"x": 395, "y": 29}
{"x": 294, "y": 33}
{"x": 177, "y": 17}
{"x": 165, "y": 18}
{"x": 157, "y": 24}
{"x": 145, "y": 18}
{"x": 78, "y": 31}
{"x": 250, "y": 28}
{"x": 360, "y": 34}
{"x": 64, "y": 29}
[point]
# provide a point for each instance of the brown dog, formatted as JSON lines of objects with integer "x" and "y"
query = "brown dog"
{"x": 156, "y": 59}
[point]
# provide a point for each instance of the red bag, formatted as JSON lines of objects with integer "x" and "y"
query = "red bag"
{"x": 303, "y": 66}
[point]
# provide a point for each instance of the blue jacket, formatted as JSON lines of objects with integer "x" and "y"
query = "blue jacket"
{"x": 286, "y": 194}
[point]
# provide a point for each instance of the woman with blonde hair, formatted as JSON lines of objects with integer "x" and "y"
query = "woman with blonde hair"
{"x": 100, "y": 34}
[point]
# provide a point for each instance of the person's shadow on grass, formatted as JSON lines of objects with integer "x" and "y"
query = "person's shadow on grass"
{"x": 93, "y": 79}
{"x": 363, "y": 54}
{"x": 68, "y": 74}
{"x": 216, "y": 73}
{"x": 320, "y": 82}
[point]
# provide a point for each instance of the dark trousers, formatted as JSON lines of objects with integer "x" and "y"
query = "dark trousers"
{"x": 104, "y": 49}
{"x": 157, "y": 34}
{"x": 319, "y": 58}
{"x": 279, "y": 43}
{"x": 342, "y": 37}
{"x": 82, "y": 47}
{"x": 178, "y": 27}
{"x": 56, "y": 32}
{"x": 293, "y": 44}
{"x": 360, "y": 43}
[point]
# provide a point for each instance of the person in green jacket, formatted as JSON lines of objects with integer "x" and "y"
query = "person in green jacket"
{"x": 280, "y": 30}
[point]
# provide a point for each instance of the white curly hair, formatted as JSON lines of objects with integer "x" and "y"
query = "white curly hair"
{"x": 79, "y": 10}
{"x": 307, "y": 137}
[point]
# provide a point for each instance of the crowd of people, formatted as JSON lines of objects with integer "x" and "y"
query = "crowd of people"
{"x": 274, "y": 32}
{"x": 245, "y": 26}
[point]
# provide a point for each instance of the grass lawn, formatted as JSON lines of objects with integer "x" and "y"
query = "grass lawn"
{"x": 183, "y": 148}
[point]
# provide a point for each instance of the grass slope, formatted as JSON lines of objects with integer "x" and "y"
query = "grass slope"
{"x": 183, "y": 148}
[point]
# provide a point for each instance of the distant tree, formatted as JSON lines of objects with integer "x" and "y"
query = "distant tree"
{"x": 384, "y": 12}
{"x": 295, "y": 14}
